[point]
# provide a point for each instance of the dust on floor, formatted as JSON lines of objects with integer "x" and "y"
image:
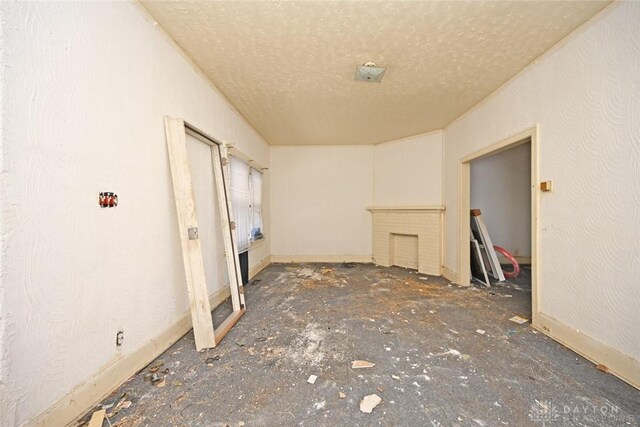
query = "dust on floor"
{"x": 443, "y": 355}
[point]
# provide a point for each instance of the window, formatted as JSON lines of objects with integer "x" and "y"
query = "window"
{"x": 246, "y": 202}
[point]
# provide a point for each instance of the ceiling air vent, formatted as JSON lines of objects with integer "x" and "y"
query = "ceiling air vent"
{"x": 368, "y": 72}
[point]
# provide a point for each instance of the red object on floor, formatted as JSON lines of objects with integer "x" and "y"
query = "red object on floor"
{"x": 516, "y": 267}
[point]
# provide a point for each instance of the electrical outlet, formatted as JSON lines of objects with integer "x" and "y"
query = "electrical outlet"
{"x": 119, "y": 338}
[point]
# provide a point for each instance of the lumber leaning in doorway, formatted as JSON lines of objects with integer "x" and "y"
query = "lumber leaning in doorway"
{"x": 200, "y": 309}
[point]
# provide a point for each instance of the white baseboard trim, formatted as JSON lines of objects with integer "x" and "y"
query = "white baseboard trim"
{"x": 253, "y": 271}
{"x": 622, "y": 366}
{"x": 86, "y": 395}
{"x": 521, "y": 259}
{"x": 367, "y": 259}
{"x": 450, "y": 275}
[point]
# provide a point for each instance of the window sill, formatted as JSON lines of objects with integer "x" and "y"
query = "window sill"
{"x": 256, "y": 243}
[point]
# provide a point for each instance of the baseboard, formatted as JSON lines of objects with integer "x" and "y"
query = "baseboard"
{"x": 450, "y": 275}
{"x": 523, "y": 260}
{"x": 321, "y": 258}
{"x": 253, "y": 271}
{"x": 86, "y": 395}
{"x": 622, "y": 366}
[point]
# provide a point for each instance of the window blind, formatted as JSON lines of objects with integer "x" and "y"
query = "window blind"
{"x": 240, "y": 200}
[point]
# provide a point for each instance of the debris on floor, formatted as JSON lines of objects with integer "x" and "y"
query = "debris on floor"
{"x": 209, "y": 360}
{"x": 480, "y": 331}
{"x": 97, "y": 418}
{"x": 359, "y": 364}
{"x": 519, "y": 320}
{"x": 317, "y": 320}
{"x": 369, "y": 402}
{"x": 603, "y": 368}
{"x": 312, "y": 379}
{"x": 156, "y": 365}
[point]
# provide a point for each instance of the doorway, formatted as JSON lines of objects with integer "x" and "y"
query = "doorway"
{"x": 528, "y": 138}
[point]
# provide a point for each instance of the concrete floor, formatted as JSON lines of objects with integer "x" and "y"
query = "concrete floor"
{"x": 432, "y": 367}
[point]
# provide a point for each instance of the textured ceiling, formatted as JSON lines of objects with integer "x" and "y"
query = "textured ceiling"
{"x": 289, "y": 67}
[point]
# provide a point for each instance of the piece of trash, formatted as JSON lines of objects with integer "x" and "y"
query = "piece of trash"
{"x": 480, "y": 331}
{"x": 395, "y": 377}
{"x": 209, "y": 360}
{"x": 358, "y": 364}
{"x": 97, "y": 418}
{"x": 519, "y": 320}
{"x": 126, "y": 404}
{"x": 511, "y": 332}
{"x": 251, "y": 350}
{"x": 341, "y": 395}
{"x": 312, "y": 379}
{"x": 423, "y": 278}
{"x": 177, "y": 383}
{"x": 156, "y": 366}
{"x": 369, "y": 402}
{"x": 453, "y": 352}
{"x": 155, "y": 379}
{"x": 255, "y": 282}
{"x": 239, "y": 344}
{"x": 603, "y": 368}
{"x": 508, "y": 296}
{"x": 380, "y": 389}
{"x": 161, "y": 383}
{"x": 261, "y": 339}
{"x": 349, "y": 264}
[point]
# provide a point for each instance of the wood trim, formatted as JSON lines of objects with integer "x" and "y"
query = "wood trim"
{"x": 176, "y": 131}
{"x": 253, "y": 271}
{"x": 449, "y": 274}
{"x": 405, "y": 208}
{"x": 191, "y": 250}
{"x": 234, "y": 152}
{"x": 622, "y": 366}
{"x": 228, "y": 323}
{"x": 233, "y": 247}
{"x": 228, "y": 232}
{"x": 464, "y": 197}
{"x": 84, "y": 396}
{"x": 521, "y": 259}
{"x": 366, "y": 259}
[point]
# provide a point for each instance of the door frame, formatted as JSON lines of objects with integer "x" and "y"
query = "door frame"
{"x": 176, "y": 130}
{"x": 464, "y": 206}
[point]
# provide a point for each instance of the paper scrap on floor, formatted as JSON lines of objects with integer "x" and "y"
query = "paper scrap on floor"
{"x": 519, "y": 320}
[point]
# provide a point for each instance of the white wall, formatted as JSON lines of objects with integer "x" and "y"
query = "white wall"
{"x": 320, "y": 194}
{"x": 500, "y": 188}
{"x": 319, "y": 198}
{"x": 85, "y": 88}
{"x": 586, "y": 99}
{"x": 408, "y": 172}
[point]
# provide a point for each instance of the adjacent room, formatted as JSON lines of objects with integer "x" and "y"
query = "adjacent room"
{"x": 333, "y": 213}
